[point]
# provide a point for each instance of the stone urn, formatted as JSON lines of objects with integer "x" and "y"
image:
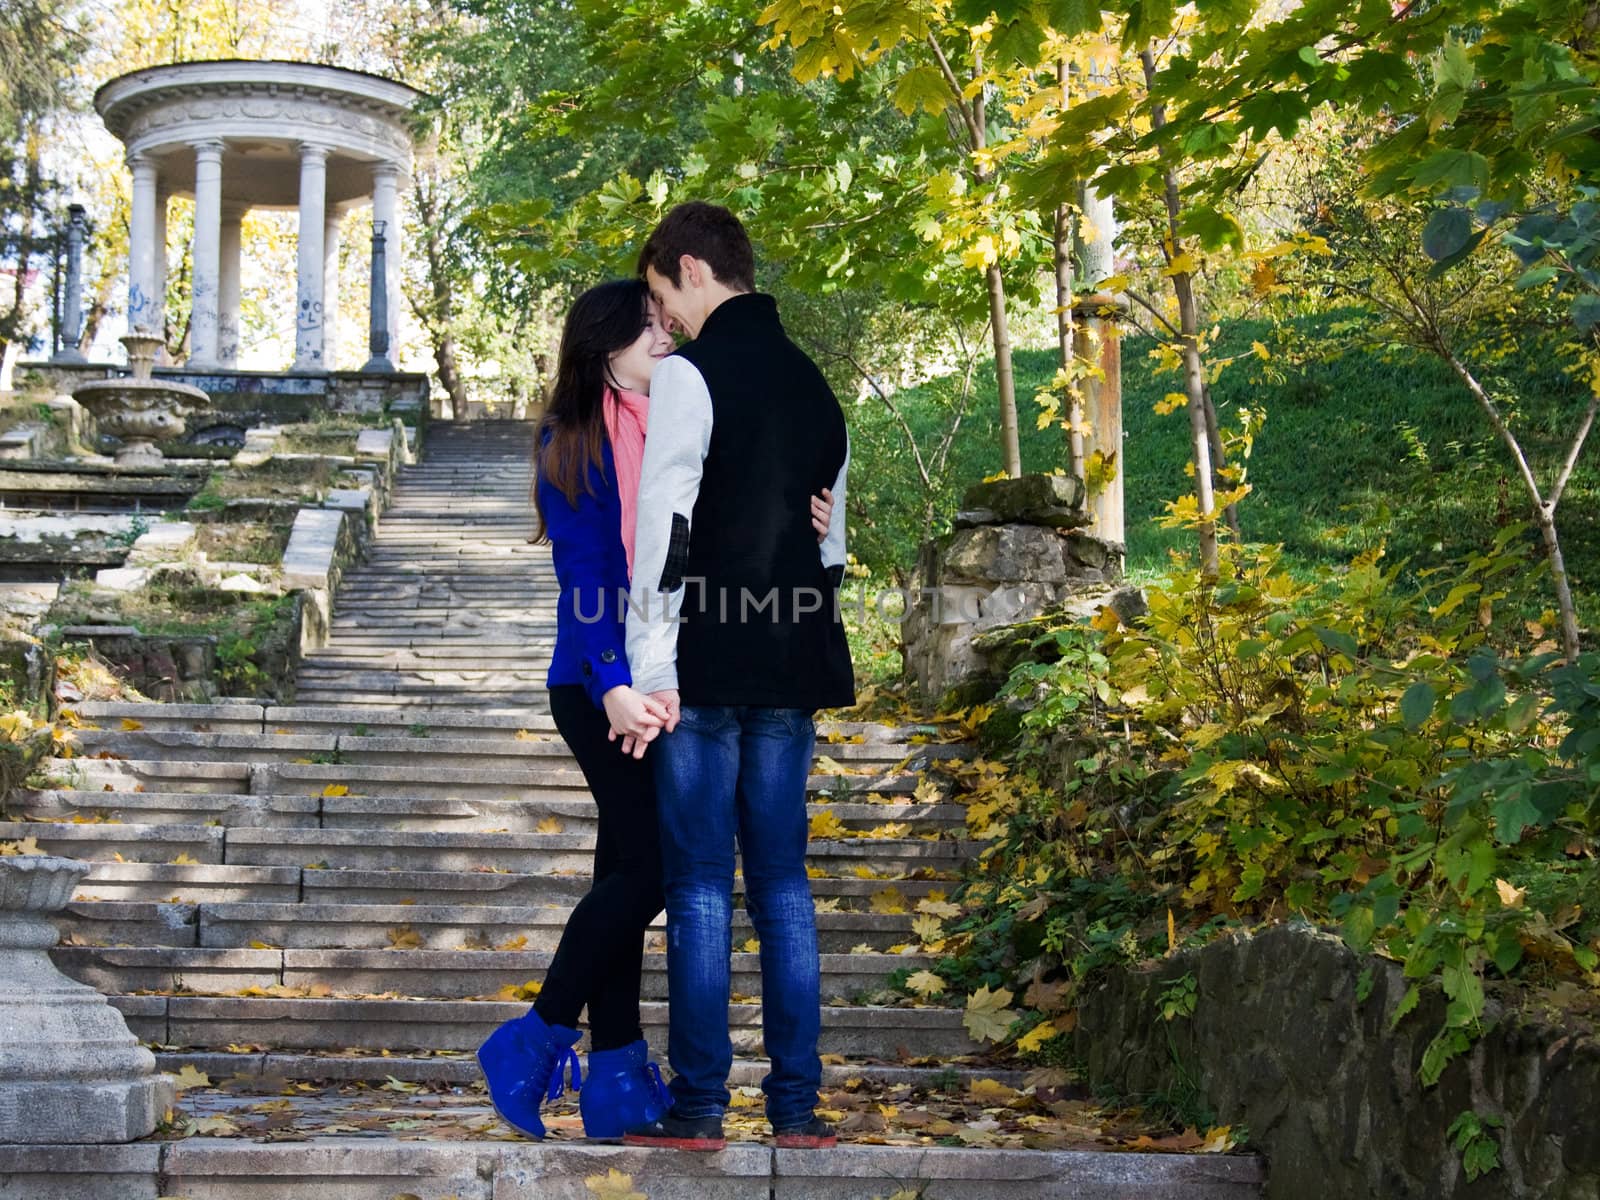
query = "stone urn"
{"x": 70, "y": 1072}
{"x": 140, "y": 411}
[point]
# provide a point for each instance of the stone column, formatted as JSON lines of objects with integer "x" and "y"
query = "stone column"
{"x": 204, "y": 315}
{"x": 70, "y": 1072}
{"x": 141, "y": 245}
{"x": 158, "y": 288}
{"x": 386, "y": 208}
{"x": 231, "y": 245}
{"x": 331, "y": 240}
{"x": 308, "y": 314}
{"x": 72, "y": 304}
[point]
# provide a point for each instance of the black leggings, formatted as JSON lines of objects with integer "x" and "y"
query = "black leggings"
{"x": 602, "y": 948}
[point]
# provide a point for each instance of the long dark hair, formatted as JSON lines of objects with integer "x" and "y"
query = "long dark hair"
{"x": 606, "y": 318}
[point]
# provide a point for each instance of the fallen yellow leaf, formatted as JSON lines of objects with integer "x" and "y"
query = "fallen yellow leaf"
{"x": 825, "y": 825}
{"x": 992, "y": 1092}
{"x": 190, "y": 1077}
{"x": 987, "y": 1018}
{"x": 889, "y": 900}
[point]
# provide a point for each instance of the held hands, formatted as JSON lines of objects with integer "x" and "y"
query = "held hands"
{"x": 822, "y": 513}
{"x": 669, "y": 700}
{"x": 637, "y": 718}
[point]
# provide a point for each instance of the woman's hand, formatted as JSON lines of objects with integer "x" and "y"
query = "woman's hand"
{"x": 635, "y": 718}
{"x": 821, "y": 513}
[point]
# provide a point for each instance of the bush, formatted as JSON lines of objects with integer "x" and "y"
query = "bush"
{"x": 1352, "y": 750}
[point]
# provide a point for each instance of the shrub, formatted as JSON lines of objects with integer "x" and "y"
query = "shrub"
{"x": 1351, "y": 750}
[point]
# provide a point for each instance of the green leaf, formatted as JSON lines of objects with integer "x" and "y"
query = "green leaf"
{"x": 1212, "y": 227}
{"x": 1453, "y": 168}
{"x": 1448, "y": 230}
{"x": 1416, "y": 706}
{"x": 1338, "y": 641}
{"x": 1536, "y": 277}
{"x": 1072, "y": 17}
{"x": 1505, "y": 951}
{"x": 1251, "y": 880}
{"x": 1514, "y": 811}
{"x": 1408, "y": 1003}
{"x": 1455, "y": 65}
{"x": 922, "y": 87}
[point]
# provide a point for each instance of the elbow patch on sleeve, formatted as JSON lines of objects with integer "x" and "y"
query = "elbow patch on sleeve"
{"x": 677, "y": 555}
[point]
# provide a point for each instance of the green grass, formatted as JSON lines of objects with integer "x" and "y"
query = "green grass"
{"x": 1359, "y": 448}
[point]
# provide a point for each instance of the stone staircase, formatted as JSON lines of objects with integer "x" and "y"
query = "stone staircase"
{"x": 354, "y": 887}
{"x": 454, "y": 608}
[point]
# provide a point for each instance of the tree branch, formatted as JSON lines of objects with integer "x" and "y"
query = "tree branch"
{"x": 1574, "y": 450}
{"x": 973, "y": 132}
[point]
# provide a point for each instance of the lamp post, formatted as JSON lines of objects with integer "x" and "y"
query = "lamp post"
{"x": 378, "y": 335}
{"x": 72, "y": 304}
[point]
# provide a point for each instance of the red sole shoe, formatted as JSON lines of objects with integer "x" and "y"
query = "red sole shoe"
{"x": 805, "y": 1141}
{"x": 698, "y": 1145}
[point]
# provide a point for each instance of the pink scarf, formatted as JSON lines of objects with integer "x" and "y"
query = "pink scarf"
{"x": 627, "y": 414}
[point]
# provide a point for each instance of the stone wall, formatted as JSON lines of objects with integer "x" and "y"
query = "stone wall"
{"x": 1017, "y": 550}
{"x": 1280, "y": 1043}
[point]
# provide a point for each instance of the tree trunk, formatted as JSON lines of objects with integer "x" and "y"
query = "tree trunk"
{"x": 1194, "y": 379}
{"x": 1219, "y": 459}
{"x": 1064, "y": 322}
{"x": 437, "y": 314}
{"x": 1010, "y": 445}
{"x": 974, "y": 119}
{"x": 999, "y": 326}
{"x": 1544, "y": 510}
{"x": 1558, "y": 576}
{"x": 27, "y": 202}
{"x": 1194, "y": 382}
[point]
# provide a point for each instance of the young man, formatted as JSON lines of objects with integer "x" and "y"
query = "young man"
{"x": 735, "y": 627}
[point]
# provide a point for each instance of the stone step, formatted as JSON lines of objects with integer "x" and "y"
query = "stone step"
{"x": 428, "y": 850}
{"x": 376, "y": 1168}
{"x": 283, "y": 743}
{"x": 235, "y": 811}
{"x": 319, "y": 926}
{"x": 461, "y": 1069}
{"x": 533, "y": 656}
{"x": 409, "y": 767}
{"x": 317, "y": 675}
{"x": 400, "y": 1026}
{"x": 252, "y": 716}
{"x": 204, "y": 883}
{"x": 422, "y": 699}
{"x": 352, "y": 636}
{"x": 419, "y": 974}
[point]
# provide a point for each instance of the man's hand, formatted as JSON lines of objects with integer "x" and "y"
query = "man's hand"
{"x": 822, "y": 513}
{"x": 669, "y": 700}
{"x": 635, "y": 718}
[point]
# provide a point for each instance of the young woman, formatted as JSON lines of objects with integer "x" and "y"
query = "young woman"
{"x": 590, "y": 446}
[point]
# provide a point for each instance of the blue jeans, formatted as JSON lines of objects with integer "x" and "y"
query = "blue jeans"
{"x": 727, "y": 773}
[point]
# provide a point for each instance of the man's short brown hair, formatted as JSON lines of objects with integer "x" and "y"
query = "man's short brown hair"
{"x": 705, "y": 231}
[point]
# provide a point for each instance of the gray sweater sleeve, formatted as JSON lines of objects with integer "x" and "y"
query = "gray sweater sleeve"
{"x": 676, "y": 442}
{"x": 833, "y": 547}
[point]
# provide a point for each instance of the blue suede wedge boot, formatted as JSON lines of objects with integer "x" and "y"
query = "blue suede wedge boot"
{"x": 624, "y": 1089}
{"x": 522, "y": 1062}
